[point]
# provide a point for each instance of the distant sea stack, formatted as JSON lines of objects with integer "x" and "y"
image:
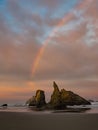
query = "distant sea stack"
{"x": 4, "y": 105}
{"x": 59, "y": 99}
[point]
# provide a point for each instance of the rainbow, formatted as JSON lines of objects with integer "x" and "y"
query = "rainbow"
{"x": 41, "y": 51}
{"x": 63, "y": 21}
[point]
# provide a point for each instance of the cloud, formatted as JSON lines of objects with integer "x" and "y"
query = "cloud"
{"x": 22, "y": 29}
{"x": 17, "y": 60}
{"x": 18, "y": 49}
{"x": 50, "y": 4}
{"x": 69, "y": 55}
{"x": 72, "y": 61}
{"x": 17, "y": 52}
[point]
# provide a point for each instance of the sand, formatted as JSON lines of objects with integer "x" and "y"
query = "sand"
{"x": 53, "y": 121}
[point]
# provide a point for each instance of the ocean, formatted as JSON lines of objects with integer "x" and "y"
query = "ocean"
{"x": 93, "y": 108}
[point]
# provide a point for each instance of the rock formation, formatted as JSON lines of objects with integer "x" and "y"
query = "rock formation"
{"x": 38, "y": 100}
{"x": 60, "y": 99}
{"x": 55, "y": 101}
{"x": 4, "y": 105}
{"x": 70, "y": 98}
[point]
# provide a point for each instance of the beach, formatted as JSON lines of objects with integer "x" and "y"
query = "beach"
{"x": 48, "y": 121}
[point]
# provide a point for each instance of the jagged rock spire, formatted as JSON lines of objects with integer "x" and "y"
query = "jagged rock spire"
{"x": 56, "y": 88}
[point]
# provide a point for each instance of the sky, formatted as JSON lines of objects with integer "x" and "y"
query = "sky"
{"x": 42, "y": 41}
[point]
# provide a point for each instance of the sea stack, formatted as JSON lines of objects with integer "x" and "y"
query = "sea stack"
{"x": 38, "y": 100}
{"x": 61, "y": 99}
{"x": 55, "y": 101}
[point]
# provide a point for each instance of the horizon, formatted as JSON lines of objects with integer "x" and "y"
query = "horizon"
{"x": 44, "y": 41}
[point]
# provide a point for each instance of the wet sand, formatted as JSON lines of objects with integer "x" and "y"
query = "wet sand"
{"x": 46, "y": 121}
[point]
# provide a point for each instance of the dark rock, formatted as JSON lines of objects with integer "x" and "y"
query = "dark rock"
{"x": 90, "y": 100}
{"x": 60, "y": 99}
{"x": 31, "y": 101}
{"x": 56, "y": 101}
{"x": 38, "y": 100}
{"x": 70, "y": 98}
{"x": 4, "y": 105}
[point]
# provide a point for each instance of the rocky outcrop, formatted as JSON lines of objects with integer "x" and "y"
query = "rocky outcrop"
{"x": 31, "y": 101}
{"x": 55, "y": 101}
{"x": 4, "y": 105}
{"x": 70, "y": 98}
{"x": 38, "y": 100}
{"x": 60, "y": 99}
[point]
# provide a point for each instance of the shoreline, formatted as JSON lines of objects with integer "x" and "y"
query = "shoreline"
{"x": 48, "y": 121}
{"x": 72, "y": 109}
